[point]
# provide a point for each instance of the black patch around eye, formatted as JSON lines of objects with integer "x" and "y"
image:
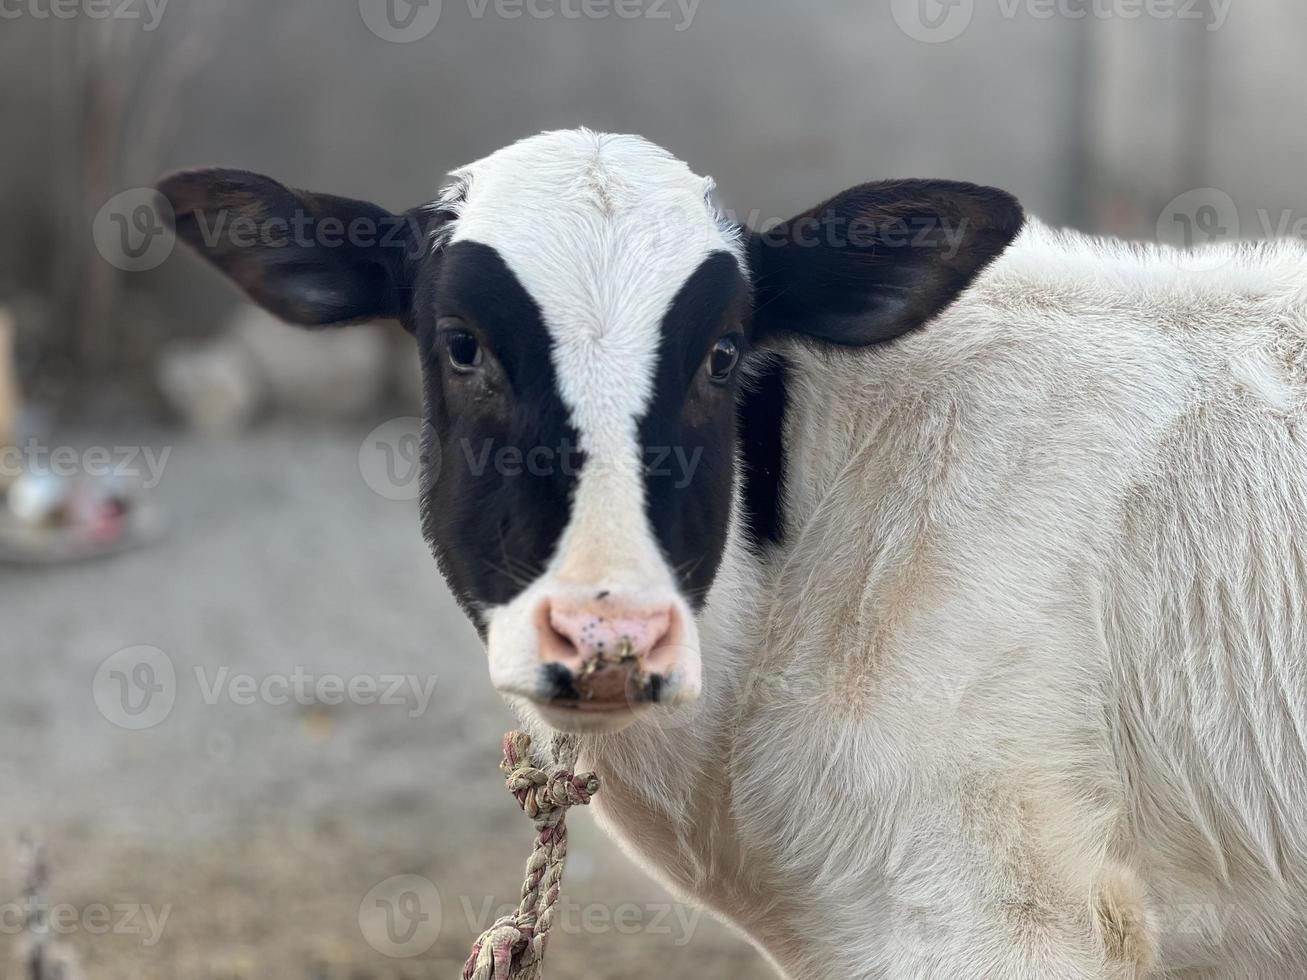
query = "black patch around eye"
{"x": 688, "y": 433}
{"x": 498, "y": 498}
{"x": 477, "y": 285}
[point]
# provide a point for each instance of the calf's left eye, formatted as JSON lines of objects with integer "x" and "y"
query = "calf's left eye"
{"x": 723, "y": 359}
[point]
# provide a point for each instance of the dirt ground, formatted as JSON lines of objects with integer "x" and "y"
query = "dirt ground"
{"x": 249, "y": 835}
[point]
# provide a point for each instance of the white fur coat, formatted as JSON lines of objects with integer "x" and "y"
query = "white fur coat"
{"x": 1024, "y": 693}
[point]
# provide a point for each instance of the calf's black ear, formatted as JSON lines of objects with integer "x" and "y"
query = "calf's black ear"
{"x": 878, "y": 260}
{"x": 311, "y": 259}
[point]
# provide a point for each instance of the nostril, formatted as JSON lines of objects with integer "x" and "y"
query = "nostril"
{"x": 570, "y": 627}
{"x": 557, "y": 644}
{"x": 561, "y": 683}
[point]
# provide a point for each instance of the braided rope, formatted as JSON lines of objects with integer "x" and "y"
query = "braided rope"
{"x": 514, "y": 947}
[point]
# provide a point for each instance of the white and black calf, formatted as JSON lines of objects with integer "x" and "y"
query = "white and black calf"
{"x": 966, "y": 640}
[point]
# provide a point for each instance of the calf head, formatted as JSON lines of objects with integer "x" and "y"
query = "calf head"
{"x": 582, "y": 312}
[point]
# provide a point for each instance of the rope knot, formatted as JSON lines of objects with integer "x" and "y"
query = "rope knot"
{"x": 543, "y": 796}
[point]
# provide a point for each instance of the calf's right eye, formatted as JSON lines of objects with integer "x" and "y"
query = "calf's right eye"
{"x": 463, "y": 349}
{"x": 723, "y": 359}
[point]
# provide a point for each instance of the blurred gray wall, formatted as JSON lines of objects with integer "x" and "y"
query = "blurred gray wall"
{"x": 1095, "y": 121}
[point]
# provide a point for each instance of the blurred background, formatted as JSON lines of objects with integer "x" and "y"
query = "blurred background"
{"x": 246, "y": 731}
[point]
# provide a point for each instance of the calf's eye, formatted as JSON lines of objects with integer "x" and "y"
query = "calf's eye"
{"x": 465, "y": 353}
{"x": 723, "y": 359}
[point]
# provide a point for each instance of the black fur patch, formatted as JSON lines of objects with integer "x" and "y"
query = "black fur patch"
{"x": 496, "y": 504}
{"x": 689, "y": 431}
{"x": 761, "y": 420}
